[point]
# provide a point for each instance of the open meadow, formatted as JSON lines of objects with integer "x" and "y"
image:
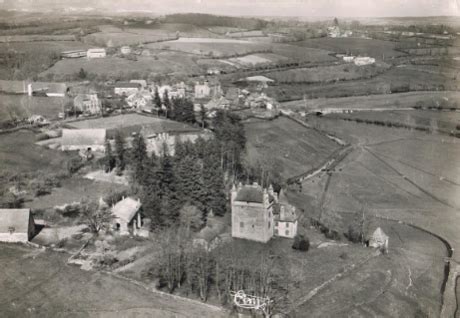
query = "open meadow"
{"x": 51, "y": 288}
{"x": 324, "y": 74}
{"x": 376, "y": 102}
{"x": 355, "y": 46}
{"x": 124, "y": 68}
{"x": 22, "y": 107}
{"x": 297, "y": 148}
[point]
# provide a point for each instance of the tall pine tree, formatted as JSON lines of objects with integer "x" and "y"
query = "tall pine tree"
{"x": 139, "y": 158}
{"x": 120, "y": 152}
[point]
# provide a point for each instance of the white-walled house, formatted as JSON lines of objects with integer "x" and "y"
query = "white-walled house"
{"x": 285, "y": 218}
{"x": 127, "y": 217}
{"x": 16, "y": 225}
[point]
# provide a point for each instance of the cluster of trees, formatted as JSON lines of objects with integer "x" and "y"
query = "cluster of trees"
{"x": 229, "y": 268}
{"x": 179, "y": 108}
{"x": 116, "y": 158}
{"x": 194, "y": 176}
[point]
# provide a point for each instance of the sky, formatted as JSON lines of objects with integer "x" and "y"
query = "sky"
{"x": 299, "y": 8}
{"x": 342, "y": 8}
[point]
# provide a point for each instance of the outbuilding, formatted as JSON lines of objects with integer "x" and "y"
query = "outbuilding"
{"x": 16, "y": 225}
{"x": 127, "y": 217}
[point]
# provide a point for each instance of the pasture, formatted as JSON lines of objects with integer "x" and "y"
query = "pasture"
{"x": 297, "y": 148}
{"x": 355, "y": 46}
{"x": 20, "y": 107}
{"x": 343, "y": 72}
{"x": 34, "y": 38}
{"x": 129, "y": 123}
{"x": 373, "y": 102}
{"x": 53, "y": 288}
{"x": 211, "y": 47}
{"x": 20, "y": 154}
{"x": 124, "y": 68}
{"x": 395, "y": 80}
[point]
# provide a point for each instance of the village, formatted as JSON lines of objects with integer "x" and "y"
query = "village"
{"x": 208, "y": 166}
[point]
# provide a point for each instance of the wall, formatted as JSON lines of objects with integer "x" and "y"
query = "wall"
{"x": 83, "y": 147}
{"x": 283, "y": 226}
{"x": 15, "y": 237}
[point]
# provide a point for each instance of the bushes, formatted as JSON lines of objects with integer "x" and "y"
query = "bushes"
{"x": 74, "y": 164}
{"x": 301, "y": 243}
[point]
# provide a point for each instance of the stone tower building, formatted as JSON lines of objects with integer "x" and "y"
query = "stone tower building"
{"x": 252, "y": 212}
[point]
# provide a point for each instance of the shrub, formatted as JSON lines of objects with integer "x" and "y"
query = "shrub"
{"x": 301, "y": 243}
{"x": 74, "y": 164}
{"x": 354, "y": 234}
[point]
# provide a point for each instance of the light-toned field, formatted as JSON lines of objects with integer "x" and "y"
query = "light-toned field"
{"x": 115, "y": 66}
{"x": 384, "y": 101}
{"x": 297, "y": 148}
{"x": 129, "y": 123}
{"x": 125, "y": 38}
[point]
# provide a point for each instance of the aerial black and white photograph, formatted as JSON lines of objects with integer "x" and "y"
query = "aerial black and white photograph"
{"x": 229, "y": 158}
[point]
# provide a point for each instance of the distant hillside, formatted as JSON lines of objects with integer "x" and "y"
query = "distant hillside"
{"x": 206, "y": 20}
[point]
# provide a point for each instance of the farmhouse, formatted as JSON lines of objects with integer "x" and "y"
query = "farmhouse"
{"x": 96, "y": 53}
{"x": 142, "y": 82}
{"x": 252, "y": 212}
{"x": 157, "y": 137}
{"x": 83, "y": 139}
{"x": 126, "y": 89}
{"x": 138, "y": 100}
{"x": 348, "y": 59}
{"x": 127, "y": 217}
{"x": 378, "y": 239}
{"x": 218, "y": 103}
{"x": 16, "y": 225}
{"x": 207, "y": 89}
{"x": 73, "y": 54}
{"x": 87, "y": 103}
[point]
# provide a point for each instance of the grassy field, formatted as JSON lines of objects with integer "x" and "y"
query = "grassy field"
{"x": 19, "y": 154}
{"x": 22, "y": 107}
{"x": 129, "y": 123}
{"x": 210, "y": 47}
{"x": 131, "y": 37}
{"x": 297, "y": 148}
{"x": 164, "y": 63}
{"x": 404, "y": 283}
{"x": 394, "y": 80}
{"x": 386, "y": 101}
{"x": 343, "y": 72}
{"x": 33, "y": 38}
{"x": 53, "y": 289}
{"x": 436, "y": 120}
{"x": 355, "y": 46}
{"x": 35, "y": 57}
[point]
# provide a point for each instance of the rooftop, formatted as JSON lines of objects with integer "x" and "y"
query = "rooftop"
{"x": 83, "y": 137}
{"x": 127, "y": 85}
{"x": 17, "y": 218}
{"x": 126, "y": 209}
{"x": 250, "y": 193}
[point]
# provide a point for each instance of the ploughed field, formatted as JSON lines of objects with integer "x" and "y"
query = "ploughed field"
{"x": 297, "y": 148}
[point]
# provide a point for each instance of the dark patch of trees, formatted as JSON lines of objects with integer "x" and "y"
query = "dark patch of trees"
{"x": 194, "y": 175}
{"x": 207, "y": 20}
